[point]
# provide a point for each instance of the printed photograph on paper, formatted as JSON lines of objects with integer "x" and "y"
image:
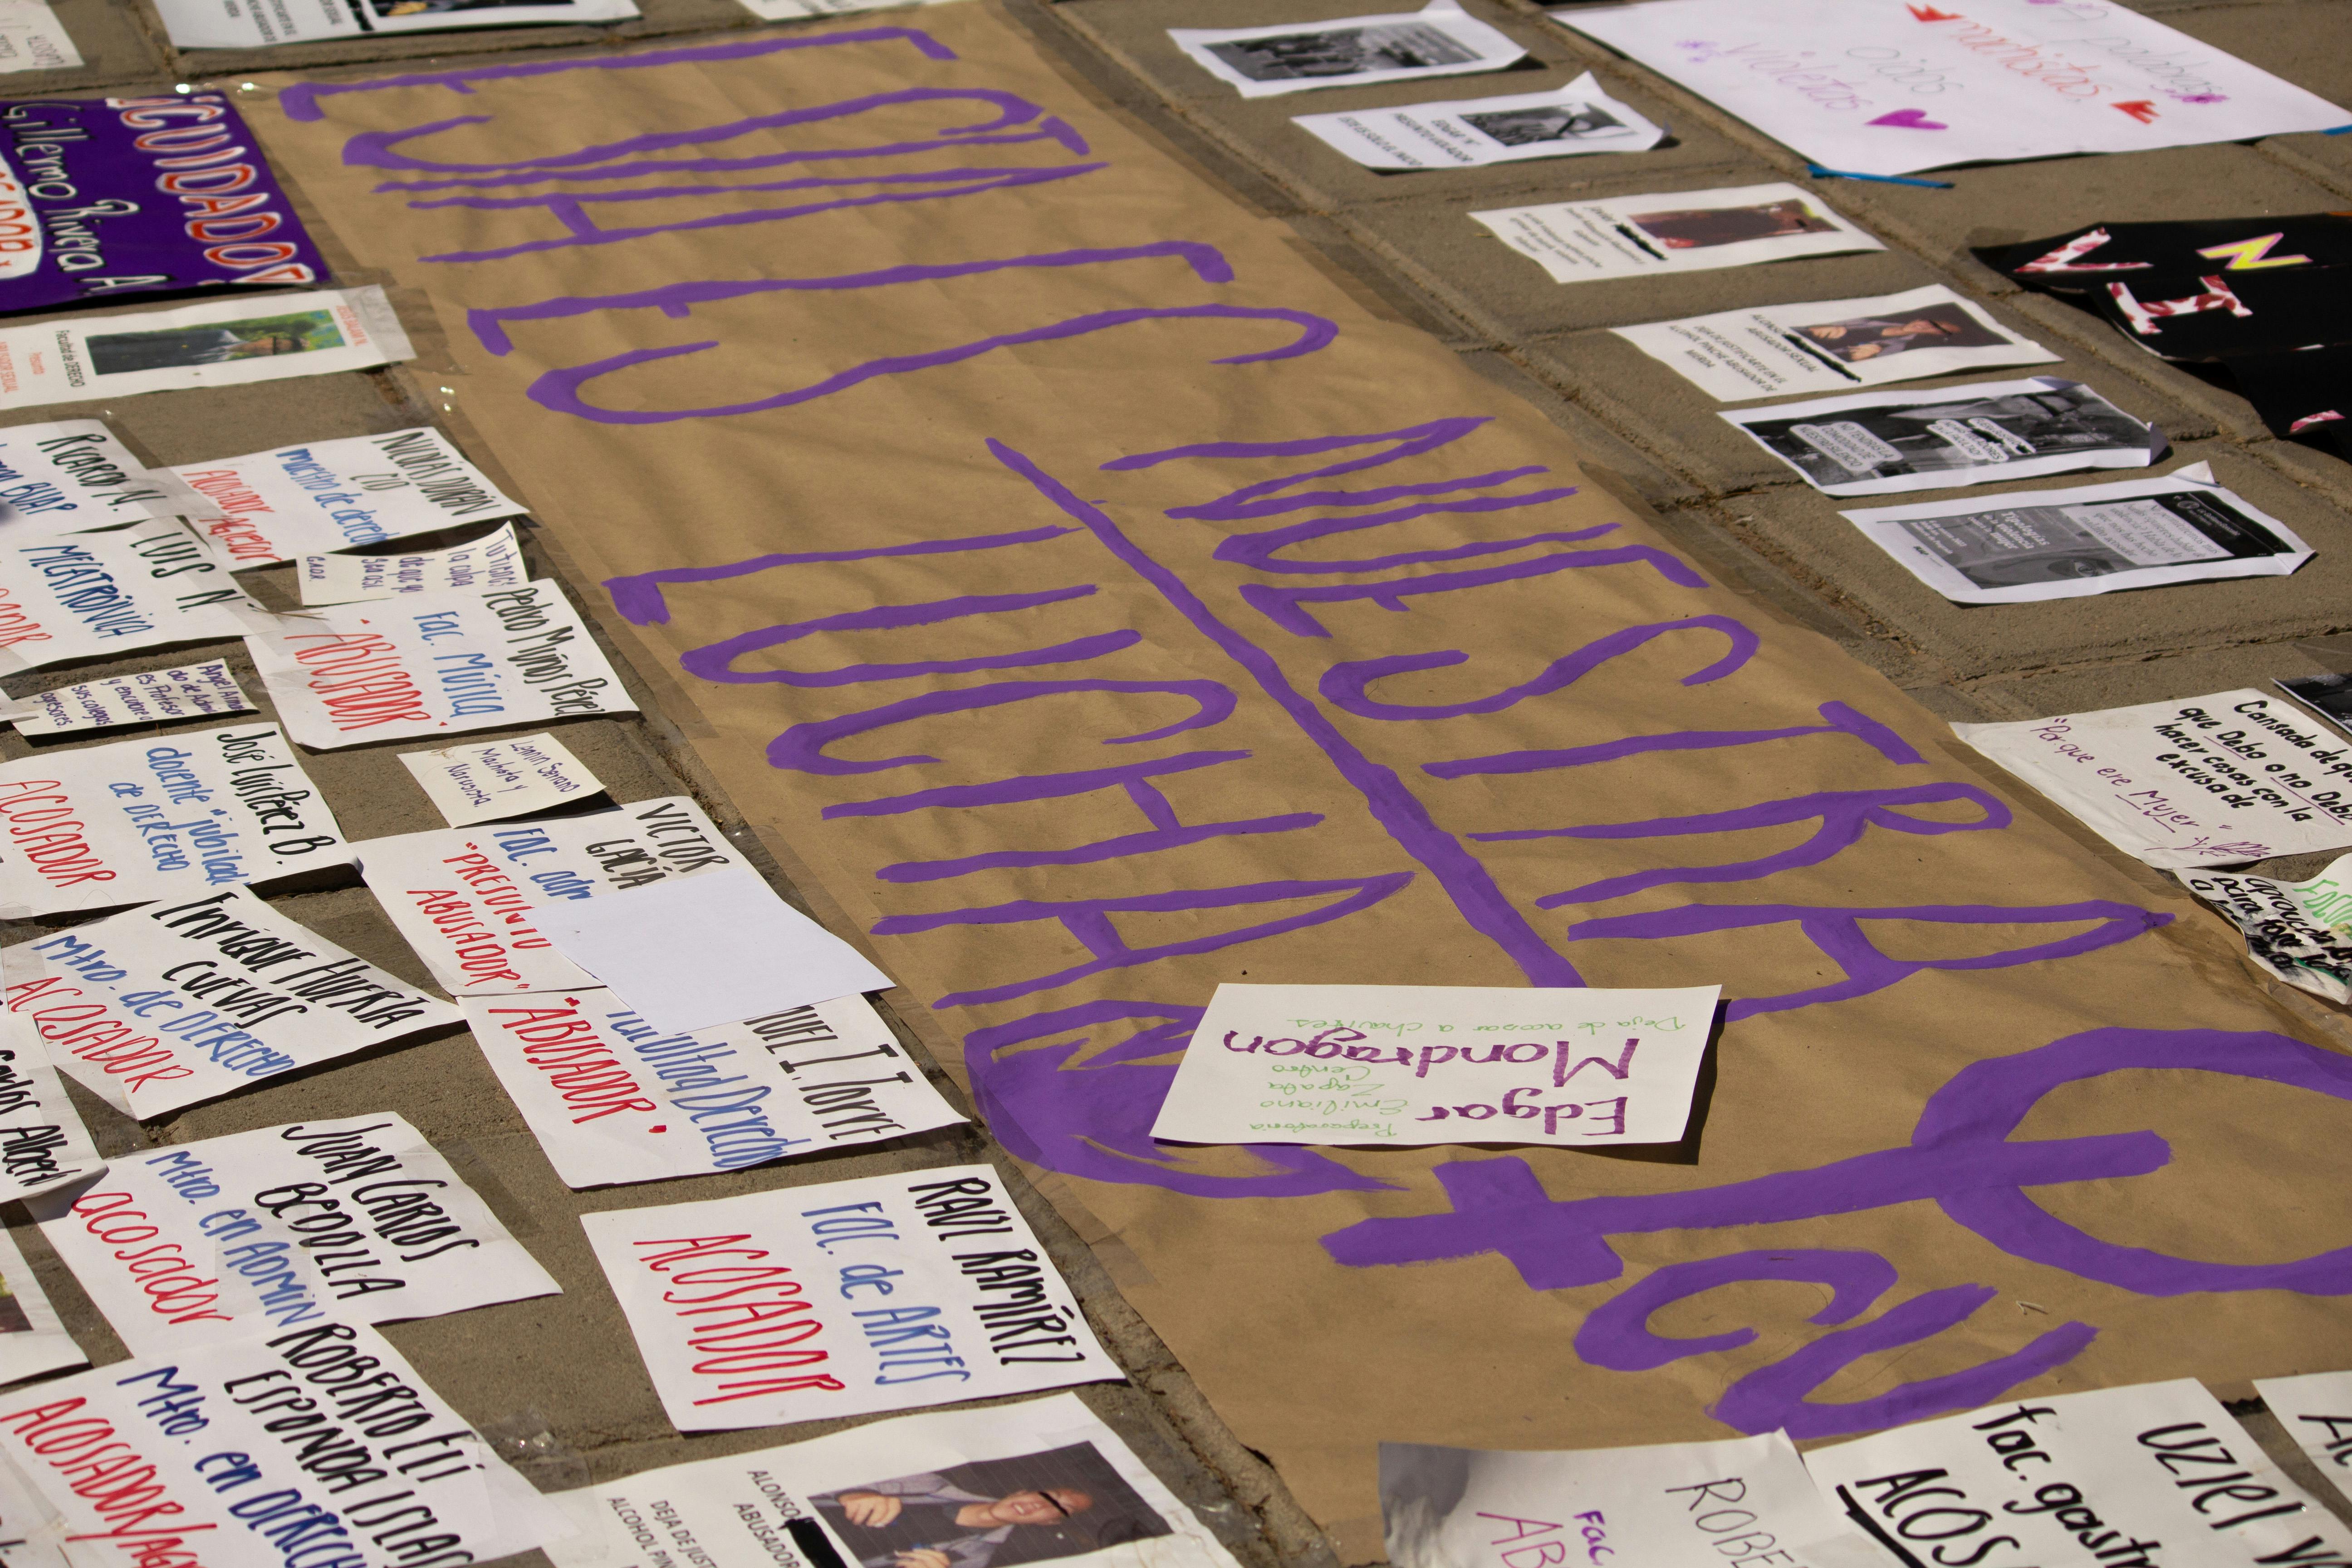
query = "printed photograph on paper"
{"x": 304, "y": 331}
{"x": 221, "y": 341}
{"x": 1862, "y": 338}
{"x": 1881, "y": 445}
{"x": 1440, "y": 39}
{"x": 1695, "y": 228}
{"x": 231, "y": 24}
{"x": 1563, "y": 122}
{"x": 1676, "y": 231}
{"x": 1468, "y": 132}
{"x": 2330, "y": 696}
{"x": 992, "y": 1513}
{"x": 1830, "y": 345}
{"x": 2059, "y": 544}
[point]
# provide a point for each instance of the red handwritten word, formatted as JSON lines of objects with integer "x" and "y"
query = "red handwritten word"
{"x": 44, "y": 833}
{"x": 174, "y": 1289}
{"x": 736, "y": 1336}
{"x": 360, "y": 680}
{"x": 116, "y": 1480}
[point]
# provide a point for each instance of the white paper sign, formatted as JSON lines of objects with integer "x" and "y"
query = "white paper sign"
{"x": 428, "y": 664}
{"x": 470, "y": 902}
{"x": 493, "y": 561}
{"x": 245, "y": 25}
{"x": 1439, "y": 39}
{"x": 892, "y": 1292}
{"x": 1833, "y": 345}
{"x": 42, "y": 1143}
{"x": 499, "y": 778}
{"x": 162, "y": 817}
{"x": 225, "y": 1461}
{"x": 1675, "y": 231}
{"x": 320, "y": 496}
{"x": 1675, "y": 1505}
{"x": 2317, "y": 1411}
{"x": 233, "y": 1229}
{"x": 71, "y": 474}
{"x": 2299, "y": 931}
{"x": 97, "y": 595}
{"x": 143, "y": 697}
{"x": 33, "y": 39}
{"x": 167, "y": 1006}
{"x": 1880, "y": 86}
{"x": 2211, "y": 781}
{"x": 1885, "y": 443}
{"x": 222, "y": 342}
{"x": 1067, "y": 1491}
{"x": 1469, "y": 132}
{"x": 611, "y": 1098}
{"x": 2157, "y": 1473}
{"x": 706, "y": 951}
{"x": 1438, "y": 1064}
{"x": 32, "y": 1338}
{"x": 796, "y": 10}
{"x": 2015, "y": 549}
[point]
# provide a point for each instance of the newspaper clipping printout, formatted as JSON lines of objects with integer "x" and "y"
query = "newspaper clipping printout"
{"x": 221, "y": 343}
{"x": 1466, "y": 133}
{"x": 73, "y": 474}
{"x": 428, "y": 664}
{"x": 241, "y": 1216}
{"x": 2328, "y": 695}
{"x": 402, "y": 1459}
{"x": 1041, "y": 1481}
{"x": 2159, "y": 1466}
{"x": 894, "y": 1291}
{"x": 499, "y": 779}
{"x": 468, "y": 900}
{"x": 1875, "y": 444}
{"x": 1673, "y": 1505}
{"x": 143, "y": 697}
{"x": 1439, "y": 39}
{"x": 2299, "y": 931}
{"x": 33, "y": 39}
{"x": 1833, "y": 345}
{"x": 2211, "y": 781}
{"x": 2317, "y": 1411}
{"x": 105, "y": 199}
{"x": 169, "y": 1005}
{"x": 2017, "y": 548}
{"x": 493, "y": 561}
{"x": 1438, "y": 1064}
{"x": 800, "y": 10}
{"x": 32, "y": 1338}
{"x": 43, "y": 1143}
{"x": 1878, "y": 86}
{"x": 1675, "y": 231}
{"x": 161, "y": 816}
{"x": 267, "y": 507}
{"x": 101, "y": 594}
{"x": 260, "y": 24}
{"x": 612, "y": 1100}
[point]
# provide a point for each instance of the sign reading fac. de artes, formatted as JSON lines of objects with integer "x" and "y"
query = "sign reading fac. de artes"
{"x": 103, "y": 198}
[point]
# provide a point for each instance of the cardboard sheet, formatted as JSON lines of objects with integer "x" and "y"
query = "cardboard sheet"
{"x": 162, "y": 817}
{"x": 267, "y": 507}
{"x": 1473, "y": 132}
{"x": 614, "y": 1100}
{"x": 767, "y": 1506}
{"x": 1438, "y": 1064}
{"x": 1833, "y": 345}
{"x": 1883, "y": 88}
{"x": 141, "y": 697}
{"x": 102, "y": 595}
{"x": 431, "y": 664}
{"x": 885, "y": 1292}
{"x": 2211, "y": 781}
{"x": 493, "y": 561}
{"x": 1439, "y": 39}
{"x": 468, "y": 900}
{"x": 1675, "y": 231}
{"x": 168, "y": 1005}
{"x": 221, "y": 343}
{"x": 499, "y": 779}
{"x": 233, "y": 1236}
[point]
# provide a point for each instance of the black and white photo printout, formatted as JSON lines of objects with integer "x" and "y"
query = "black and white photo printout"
{"x": 1440, "y": 1064}
{"x": 1878, "y": 443}
{"x": 1675, "y": 231}
{"x": 1439, "y": 39}
{"x": 2030, "y": 545}
{"x": 1468, "y": 134}
{"x": 1833, "y": 345}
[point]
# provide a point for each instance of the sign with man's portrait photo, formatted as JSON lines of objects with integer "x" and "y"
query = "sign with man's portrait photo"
{"x": 221, "y": 343}
{"x": 1439, "y": 39}
{"x": 1675, "y": 231}
{"x": 1466, "y": 133}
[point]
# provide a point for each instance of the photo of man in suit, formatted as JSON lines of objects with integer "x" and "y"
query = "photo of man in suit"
{"x": 992, "y": 1513}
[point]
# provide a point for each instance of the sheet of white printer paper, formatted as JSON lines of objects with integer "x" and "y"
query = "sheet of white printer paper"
{"x": 1466, "y": 133}
{"x": 2317, "y": 1411}
{"x": 45, "y": 1145}
{"x": 32, "y": 1338}
{"x": 499, "y": 779}
{"x": 220, "y": 342}
{"x": 1439, "y": 39}
{"x": 317, "y": 496}
{"x": 74, "y": 475}
{"x": 803, "y": 10}
{"x": 1675, "y": 231}
{"x": 493, "y": 561}
{"x": 142, "y": 697}
{"x": 699, "y": 951}
{"x": 229, "y": 24}
{"x": 100, "y": 595}
{"x": 2299, "y": 931}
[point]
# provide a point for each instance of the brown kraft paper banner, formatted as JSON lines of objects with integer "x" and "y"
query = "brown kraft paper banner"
{"x": 1103, "y": 604}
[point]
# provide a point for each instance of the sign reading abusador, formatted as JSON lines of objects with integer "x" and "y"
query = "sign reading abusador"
{"x": 273, "y": 506}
